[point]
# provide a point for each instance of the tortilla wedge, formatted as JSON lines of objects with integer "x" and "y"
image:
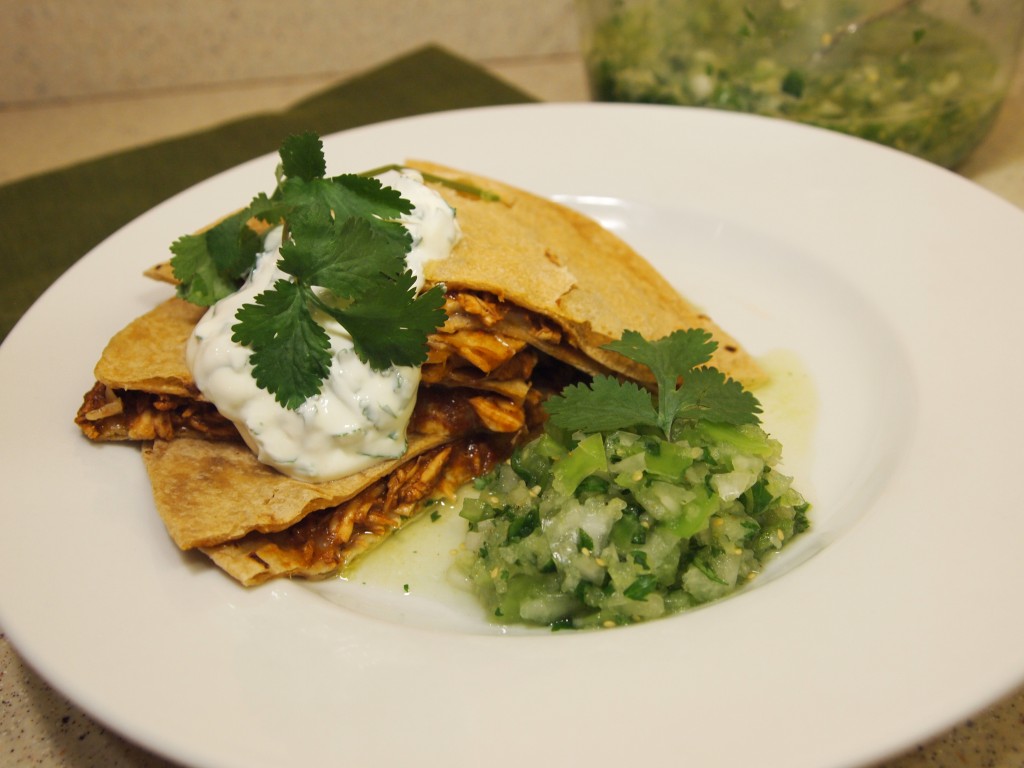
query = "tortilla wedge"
{"x": 534, "y": 291}
{"x": 552, "y": 260}
{"x": 237, "y": 494}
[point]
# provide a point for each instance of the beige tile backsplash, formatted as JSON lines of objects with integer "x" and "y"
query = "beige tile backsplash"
{"x": 55, "y": 50}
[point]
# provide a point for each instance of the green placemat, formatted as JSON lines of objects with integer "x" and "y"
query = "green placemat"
{"x": 49, "y": 221}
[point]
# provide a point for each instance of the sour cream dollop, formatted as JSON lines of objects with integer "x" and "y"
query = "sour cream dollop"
{"x": 361, "y": 415}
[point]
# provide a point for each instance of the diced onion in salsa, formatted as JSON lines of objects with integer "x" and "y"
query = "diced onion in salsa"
{"x": 610, "y": 529}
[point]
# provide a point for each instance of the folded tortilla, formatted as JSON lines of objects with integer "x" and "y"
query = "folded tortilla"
{"x": 533, "y": 292}
{"x": 564, "y": 266}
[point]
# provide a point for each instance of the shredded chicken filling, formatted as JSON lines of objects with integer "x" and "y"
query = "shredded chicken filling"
{"x": 329, "y": 539}
{"x": 118, "y": 414}
{"x": 486, "y": 346}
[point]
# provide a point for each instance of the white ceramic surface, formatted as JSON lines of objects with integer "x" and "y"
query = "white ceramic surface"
{"x": 887, "y": 283}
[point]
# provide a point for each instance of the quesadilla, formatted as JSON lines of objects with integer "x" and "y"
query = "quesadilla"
{"x": 533, "y": 290}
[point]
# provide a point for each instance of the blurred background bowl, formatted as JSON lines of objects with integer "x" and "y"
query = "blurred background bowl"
{"x": 924, "y": 76}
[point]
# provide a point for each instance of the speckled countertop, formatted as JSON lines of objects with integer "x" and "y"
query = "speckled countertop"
{"x": 38, "y": 726}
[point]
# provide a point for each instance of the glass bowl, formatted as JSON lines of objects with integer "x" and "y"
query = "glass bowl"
{"x": 924, "y": 76}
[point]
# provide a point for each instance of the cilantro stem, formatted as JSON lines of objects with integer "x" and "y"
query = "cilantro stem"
{"x": 315, "y": 300}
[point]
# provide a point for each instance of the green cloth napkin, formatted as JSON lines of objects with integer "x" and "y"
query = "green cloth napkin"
{"x": 49, "y": 221}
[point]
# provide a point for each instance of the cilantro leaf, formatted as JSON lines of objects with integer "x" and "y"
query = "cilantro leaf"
{"x": 669, "y": 357}
{"x": 348, "y": 258}
{"x": 352, "y": 194}
{"x": 706, "y": 393}
{"x": 342, "y": 197}
{"x": 393, "y": 303}
{"x": 200, "y": 282}
{"x": 210, "y": 264}
{"x": 687, "y": 390}
{"x": 604, "y": 406}
{"x": 269, "y": 210}
{"x": 291, "y": 351}
{"x": 302, "y": 157}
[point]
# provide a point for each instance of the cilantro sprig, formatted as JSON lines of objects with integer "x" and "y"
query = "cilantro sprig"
{"x": 687, "y": 390}
{"x": 343, "y": 250}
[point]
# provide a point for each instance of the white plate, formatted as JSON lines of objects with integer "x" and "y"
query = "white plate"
{"x": 891, "y": 284}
